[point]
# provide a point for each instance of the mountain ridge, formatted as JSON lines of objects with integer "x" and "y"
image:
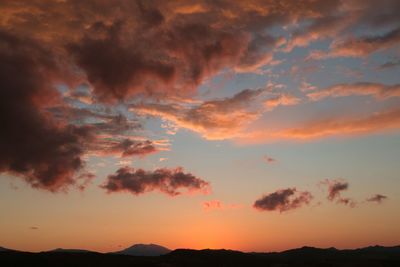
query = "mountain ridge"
{"x": 374, "y": 256}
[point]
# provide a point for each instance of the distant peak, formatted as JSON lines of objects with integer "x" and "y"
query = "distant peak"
{"x": 144, "y": 250}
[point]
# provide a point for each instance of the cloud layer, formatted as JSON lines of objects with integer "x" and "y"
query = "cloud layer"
{"x": 78, "y": 76}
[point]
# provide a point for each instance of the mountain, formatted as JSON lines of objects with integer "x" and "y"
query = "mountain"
{"x": 144, "y": 250}
{"x": 375, "y": 256}
{"x": 63, "y": 250}
{"x": 5, "y": 249}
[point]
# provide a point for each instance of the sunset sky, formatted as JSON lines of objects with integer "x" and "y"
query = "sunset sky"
{"x": 247, "y": 125}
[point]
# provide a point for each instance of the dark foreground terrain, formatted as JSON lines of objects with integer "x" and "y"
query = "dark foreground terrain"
{"x": 306, "y": 256}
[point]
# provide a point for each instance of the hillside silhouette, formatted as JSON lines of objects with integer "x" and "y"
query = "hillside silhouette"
{"x": 144, "y": 250}
{"x": 376, "y": 256}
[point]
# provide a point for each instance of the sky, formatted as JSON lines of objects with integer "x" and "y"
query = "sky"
{"x": 247, "y": 125}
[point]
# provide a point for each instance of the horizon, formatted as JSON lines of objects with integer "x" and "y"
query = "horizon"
{"x": 247, "y": 125}
{"x": 199, "y": 249}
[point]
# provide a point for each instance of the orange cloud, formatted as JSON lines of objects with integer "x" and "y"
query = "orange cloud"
{"x": 214, "y": 119}
{"x": 374, "y": 123}
{"x": 377, "y": 122}
{"x": 284, "y": 99}
{"x": 377, "y": 90}
{"x": 218, "y": 205}
{"x": 359, "y": 46}
{"x": 321, "y": 28}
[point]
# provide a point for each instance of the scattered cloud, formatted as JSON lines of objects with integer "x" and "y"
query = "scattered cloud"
{"x": 338, "y": 126}
{"x": 213, "y": 119}
{"x": 377, "y": 198}
{"x": 212, "y": 205}
{"x": 335, "y": 189}
{"x": 284, "y": 99}
{"x": 359, "y": 46}
{"x": 269, "y": 159}
{"x": 377, "y": 90}
{"x": 363, "y": 46}
{"x": 167, "y": 181}
{"x": 283, "y": 200}
{"x": 218, "y": 205}
{"x": 389, "y": 64}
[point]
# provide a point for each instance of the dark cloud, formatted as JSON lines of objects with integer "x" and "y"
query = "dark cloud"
{"x": 390, "y": 64}
{"x": 268, "y": 159}
{"x": 125, "y": 48}
{"x": 335, "y": 189}
{"x": 111, "y": 132}
{"x": 123, "y": 51}
{"x": 283, "y": 200}
{"x": 378, "y": 198}
{"x": 45, "y": 153}
{"x": 167, "y": 181}
{"x": 128, "y": 147}
{"x": 117, "y": 70}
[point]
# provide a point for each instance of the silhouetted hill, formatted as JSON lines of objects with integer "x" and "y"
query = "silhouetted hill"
{"x": 301, "y": 257}
{"x": 66, "y": 250}
{"x": 5, "y": 249}
{"x": 144, "y": 250}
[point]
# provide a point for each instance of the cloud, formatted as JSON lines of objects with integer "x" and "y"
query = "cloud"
{"x": 268, "y": 159}
{"x": 117, "y": 70}
{"x": 366, "y": 45}
{"x": 128, "y": 147}
{"x": 320, "y": 28}
{"x": 390, "y": 64}
{"x": 213, "y": 119}
{"x": 283, "y": 200}
{"x": 335, "y": 189}
{"x": 378, "y": 122}
{"x": 359, "y": 46}
{"x": 45, "y": 153}
{"x": 167, "y": 181}
{"x": 377, "y": 90}
{"x": 284, "y": 99}
{"x": 149, "y": 52}
{"x": 125, "y": 48}
{"x": 218, "y": 205}
{"x": 212, "y": 205}
{"x": 338, "y": 126}
{"x": 378, "y": 198}
{"x": 112, "y": 133}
